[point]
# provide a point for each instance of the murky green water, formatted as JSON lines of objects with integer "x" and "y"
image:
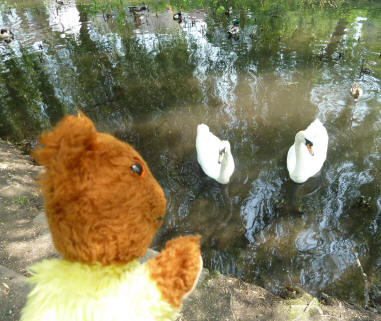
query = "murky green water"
{"x": 152, "y": 80}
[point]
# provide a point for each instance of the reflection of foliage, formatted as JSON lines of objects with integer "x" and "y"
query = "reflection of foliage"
{"x": 22, "y": 100}
{"x": 145, "y": 79}
{"x": 218, "y": 6}
{"x": 323, "y": 3}
{"x": 155, "y": 80}
{"x": 109, "y": 8}
{"x": 344, "y": 288}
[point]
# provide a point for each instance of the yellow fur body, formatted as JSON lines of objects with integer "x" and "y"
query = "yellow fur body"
{"x": 72, "y": 291}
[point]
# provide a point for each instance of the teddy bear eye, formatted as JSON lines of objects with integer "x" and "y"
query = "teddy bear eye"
{"x": 138, "y": 167}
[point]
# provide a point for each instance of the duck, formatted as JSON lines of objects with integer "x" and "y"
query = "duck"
{"x": 138, "y": 8}
{"x": 138, "y": 17}
{"x": 307, "y": 155}
{"x": 234, "y": 30}
{"x": 6, "y": 35}
{"x": 214, "y": 155}
{"x": 356, "y": 91}
{"x": 177, "y": 16}
{"x": 228, "y": 11}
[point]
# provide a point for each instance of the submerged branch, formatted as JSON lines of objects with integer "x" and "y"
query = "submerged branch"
{"x": 366, "y": 288}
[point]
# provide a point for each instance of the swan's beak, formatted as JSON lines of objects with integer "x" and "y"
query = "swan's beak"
{"x": 221, "y": 154}
{"x": 309, "y": 147}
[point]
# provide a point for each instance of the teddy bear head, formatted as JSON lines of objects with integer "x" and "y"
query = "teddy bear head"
{"x": 101, "y": 200}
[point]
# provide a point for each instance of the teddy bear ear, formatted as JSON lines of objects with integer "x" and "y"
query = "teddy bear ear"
{"x": 68, "y": 140}
{"x": 80, "y": 114}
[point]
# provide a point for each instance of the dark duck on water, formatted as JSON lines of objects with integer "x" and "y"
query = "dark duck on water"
{"x": 6, "y": 35}
{"x": 178, "y": 16}
{"x": 234, "y": 30}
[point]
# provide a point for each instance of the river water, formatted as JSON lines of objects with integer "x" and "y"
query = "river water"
{"x": 151, "y": 80}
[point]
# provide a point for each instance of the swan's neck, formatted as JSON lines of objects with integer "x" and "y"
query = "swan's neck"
{"x": 226, "y": 163}
{"x": 301, "y": 161}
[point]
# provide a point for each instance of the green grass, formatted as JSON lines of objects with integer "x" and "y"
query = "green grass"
{"x": 21, "y": 200}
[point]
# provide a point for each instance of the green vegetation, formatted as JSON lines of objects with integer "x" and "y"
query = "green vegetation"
{"x": 117, "y": 76}
{"x": 218, "y": 6}
{"x": 20, "y": 114}
{"x": 21, "y": 200}
{"x": 211, "y": 275}
{"x": 94, "y": 76}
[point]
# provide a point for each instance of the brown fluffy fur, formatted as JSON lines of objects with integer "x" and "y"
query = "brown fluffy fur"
{"x": 98, "y": 209}
{"x": 176, "y": 268}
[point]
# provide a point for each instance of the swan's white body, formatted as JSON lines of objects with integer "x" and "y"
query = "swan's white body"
{"x": 301, "y": 164}
{"x": 208, "y": 148}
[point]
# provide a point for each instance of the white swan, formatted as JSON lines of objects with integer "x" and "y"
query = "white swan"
{"x": 214, "y": 155}
{"x": 306, "y": 157}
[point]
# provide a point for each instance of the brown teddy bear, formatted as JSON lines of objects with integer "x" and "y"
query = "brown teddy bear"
{"x": 103, "y": 208}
